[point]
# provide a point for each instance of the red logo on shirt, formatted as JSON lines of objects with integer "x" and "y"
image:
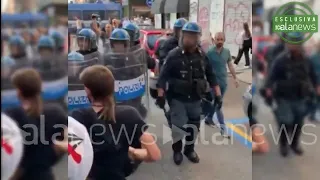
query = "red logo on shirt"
{"x": 7, "y": 147}
{"x": 72, "y": 138}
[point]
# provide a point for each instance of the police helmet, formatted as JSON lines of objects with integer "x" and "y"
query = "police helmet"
{"x": 7, "y": 61}
{"x": 46, "y": 42}
{"x": 58, "y": 38}
{"x": 75, "y": 56}
{"x": 191, "y": 27}
{"x": 17, "y": 41}
{"x": 88, "y": 34}
{"x": 133, "y": 30}
{"x": 179, "y": 23}
{"x": 119, "y": 35}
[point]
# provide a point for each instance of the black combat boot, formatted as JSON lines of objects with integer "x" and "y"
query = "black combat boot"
{"x": 177, "y": 158}
{"x": 177, "y": 155}
{"x": 192, "y": 156}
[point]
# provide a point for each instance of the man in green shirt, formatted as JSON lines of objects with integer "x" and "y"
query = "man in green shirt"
{"x": 220, "y": 58}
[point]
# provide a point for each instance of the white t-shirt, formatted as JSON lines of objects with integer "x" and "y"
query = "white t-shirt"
{"x": 80, "y": 150}
{"x": 11, "y": 146}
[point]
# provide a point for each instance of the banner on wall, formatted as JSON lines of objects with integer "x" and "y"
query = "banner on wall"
{"x": 236, "y": 12}
{"x": 204, "y": 22}
{"x": 193, "y": 11}
{"x": 216, "y": 16}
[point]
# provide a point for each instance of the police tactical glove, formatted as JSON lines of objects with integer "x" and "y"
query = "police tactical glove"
{"x": 161, "y": 101}
{"x": 218, "y": 101}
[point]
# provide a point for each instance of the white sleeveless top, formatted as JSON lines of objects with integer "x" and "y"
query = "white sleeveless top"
{"x": 11, "y": 146}
{"x": 80, "y": 151}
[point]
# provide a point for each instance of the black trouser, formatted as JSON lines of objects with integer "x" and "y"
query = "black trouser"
{"x": 184, "y": 116}
{"x": 290, "y": 117}
{"x": 294, "y": 133}
{"x": 244, "y": 50}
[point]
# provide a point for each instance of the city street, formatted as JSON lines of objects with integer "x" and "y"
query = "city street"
{"x": 221, "y": 158}
{"x": 273, "y": 166}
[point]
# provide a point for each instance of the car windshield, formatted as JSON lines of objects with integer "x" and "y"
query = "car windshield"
{"x": 152, "y": 39}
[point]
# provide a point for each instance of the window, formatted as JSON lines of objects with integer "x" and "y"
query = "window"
{"x": 152, "y": 39}
{"x": 87, "y": 14}
{"x": 72, "y": 14}
{"x": 113, "y": 14}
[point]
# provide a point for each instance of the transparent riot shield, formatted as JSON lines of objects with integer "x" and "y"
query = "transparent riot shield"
{"x": 53, "y": 71}
{"x": 131, "y": 78}
{"x": 8, "y": 92}
{"x": 77, "y": 97}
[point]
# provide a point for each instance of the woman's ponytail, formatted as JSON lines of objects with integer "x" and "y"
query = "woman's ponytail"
{"x": 109, "y": 109}
{"x": 36, "y": 106}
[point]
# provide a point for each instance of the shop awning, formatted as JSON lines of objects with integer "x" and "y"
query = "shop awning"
{"x": 170, "y": 6}
{"x": 176, "y": 6}
{"x": 158, "y": 6}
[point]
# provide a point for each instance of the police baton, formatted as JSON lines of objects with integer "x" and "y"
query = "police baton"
{"x": 166, "y": 114}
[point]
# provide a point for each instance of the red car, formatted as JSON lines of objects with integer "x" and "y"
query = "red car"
{"x": 148, "y": 39}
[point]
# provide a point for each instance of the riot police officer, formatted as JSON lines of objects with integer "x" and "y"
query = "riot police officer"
{"x": 87, "y": 42}
{"x": 187, "y": 71}
{"x": 17, "y": 48}
{"x": 59, "y": 41}
{"x": 134, "y": 34}
{"x": 291, "y": 83}
{"x": 46, "y": 46}
{"x": 172, "y": 41}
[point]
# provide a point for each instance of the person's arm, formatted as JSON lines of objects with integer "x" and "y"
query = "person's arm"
{"x": 314, "y": 78}
{"x": 274, "y": 74}
{"x": 165, "y": 74}
{"x": 61, "y": 142}
{"x": 149, "y": 150}
{"x": 211, "y": 77}
{"x": 232, "y": 70}
{"x": 150, "y": 62}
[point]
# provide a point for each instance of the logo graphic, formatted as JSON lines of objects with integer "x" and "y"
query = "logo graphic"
{"x": 76, "y": 141}
{"x": 5, "y": 136}
{"x": 295, "y": 22}
{"x": 167, "y": 131}
{"x": 6, "y": 146}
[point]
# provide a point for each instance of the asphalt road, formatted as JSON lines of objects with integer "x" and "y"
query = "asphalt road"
{"x": 220, "y": 159}
{"x": 273, "y": 166}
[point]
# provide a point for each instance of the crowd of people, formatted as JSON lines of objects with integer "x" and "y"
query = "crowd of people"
{"x": 34, "y": 88}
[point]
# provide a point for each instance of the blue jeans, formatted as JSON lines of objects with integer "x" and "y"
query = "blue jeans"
{"x": 209, "y": 112}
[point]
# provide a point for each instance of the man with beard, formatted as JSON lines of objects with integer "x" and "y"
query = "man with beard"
{"x": 187, "y": 71}
{"x": 220, "y": 57}
{"x": 291, "y": 83}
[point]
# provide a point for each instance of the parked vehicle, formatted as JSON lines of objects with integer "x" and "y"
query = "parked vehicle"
{"x": 151, "y": 39}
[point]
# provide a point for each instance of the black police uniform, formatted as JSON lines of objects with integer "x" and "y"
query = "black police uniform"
{"x": 166, "y": 47}
{"x": 185, "y": 72}
{"x": 292, "y": 80}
